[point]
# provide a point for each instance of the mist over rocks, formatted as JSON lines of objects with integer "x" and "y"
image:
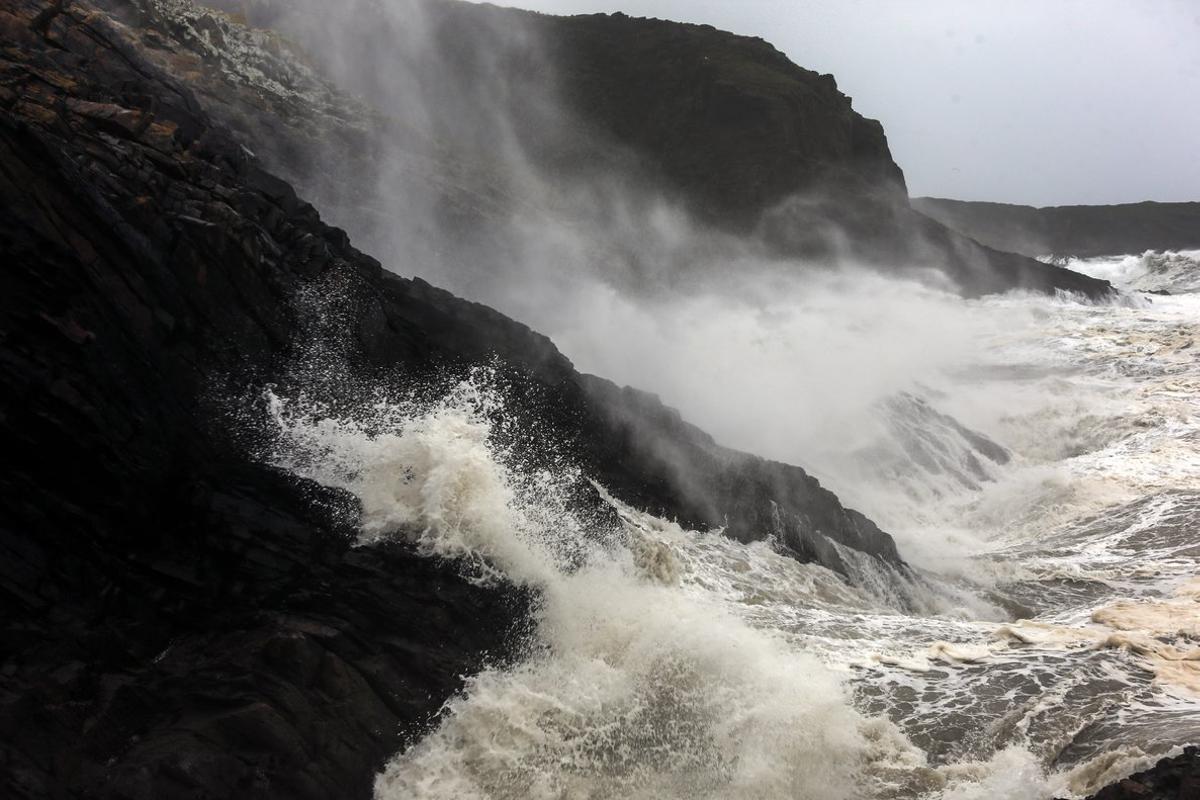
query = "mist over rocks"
{"x": 753, "y": 143}
{"x": 486, "y": 126}
{"x": 180, "y": 619}
{"x": 1081, "y": 231}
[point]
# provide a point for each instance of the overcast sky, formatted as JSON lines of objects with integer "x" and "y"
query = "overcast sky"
{"x": 1044, "y": 102}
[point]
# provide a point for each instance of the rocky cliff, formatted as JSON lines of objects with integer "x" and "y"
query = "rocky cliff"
{"x": 724, "y": 126}
{"x": 751, "y": 141}
{"x": 1082, "y": 231}
{"x": 180, "y": 620}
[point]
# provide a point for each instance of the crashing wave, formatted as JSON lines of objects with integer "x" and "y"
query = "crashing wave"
{"x": 1165, "y": 272}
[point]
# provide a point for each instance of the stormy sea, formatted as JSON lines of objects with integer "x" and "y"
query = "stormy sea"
{"x": 430, "y": 400}
{"x": 1040, "y": 475}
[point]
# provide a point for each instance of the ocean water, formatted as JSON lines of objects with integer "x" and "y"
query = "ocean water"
{"x": 1044, "y": 481}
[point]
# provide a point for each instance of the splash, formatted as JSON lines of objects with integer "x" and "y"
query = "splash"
{"x": 427, "y": 474}
{"x": 1171, "y": 272}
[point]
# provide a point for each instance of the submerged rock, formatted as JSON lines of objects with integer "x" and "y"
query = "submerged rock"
{"x": 1176, "y": 778}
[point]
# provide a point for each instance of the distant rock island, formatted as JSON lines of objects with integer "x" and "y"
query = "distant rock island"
{"x": 1083, "y": 231}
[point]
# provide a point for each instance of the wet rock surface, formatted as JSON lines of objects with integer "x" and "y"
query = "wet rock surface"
{"x": 180, "y": 621}
{"x": 1176, "y": 778}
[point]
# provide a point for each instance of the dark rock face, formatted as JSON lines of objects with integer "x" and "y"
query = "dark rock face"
{"x": 1071, "y": 230}
{"x": 181, "y": 621}
{"x": 234, "y": 647}
{"x": 1175, "y": 778}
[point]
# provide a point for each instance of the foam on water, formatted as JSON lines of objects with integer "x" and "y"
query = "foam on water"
{"x": 1047, "y": 479}
{"x": 1090, "y": 526}
{"x": 671, "y": 664}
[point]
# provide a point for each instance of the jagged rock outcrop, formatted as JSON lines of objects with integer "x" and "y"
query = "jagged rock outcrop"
{"x": 178, "y": 619}
{"x": 1082, "y": 231}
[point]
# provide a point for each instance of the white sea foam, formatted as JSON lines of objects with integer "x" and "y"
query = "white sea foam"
{"x": 671, "y": 663}
{"x": 1172, "y": 271}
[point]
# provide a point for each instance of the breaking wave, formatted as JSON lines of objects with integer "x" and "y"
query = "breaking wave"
{"x": 639, "y": 686}
{"x": 1171, "y": 272}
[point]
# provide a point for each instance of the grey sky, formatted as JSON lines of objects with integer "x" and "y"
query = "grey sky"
{"x": 1045, "y": 102}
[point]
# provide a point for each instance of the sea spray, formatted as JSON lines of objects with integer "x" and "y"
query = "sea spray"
{"x": 427, "y": 472}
